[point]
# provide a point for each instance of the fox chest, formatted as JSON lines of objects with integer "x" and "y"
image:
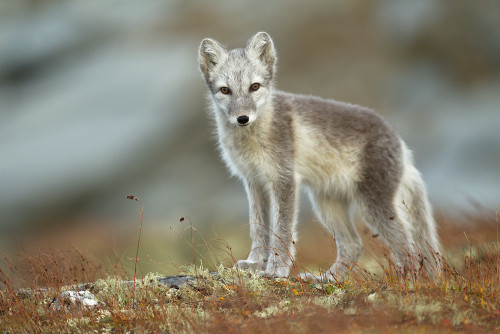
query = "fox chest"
{"x": 250, "y": 159}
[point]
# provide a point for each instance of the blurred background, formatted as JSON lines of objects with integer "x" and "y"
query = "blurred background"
{"x": 101, "y": 99}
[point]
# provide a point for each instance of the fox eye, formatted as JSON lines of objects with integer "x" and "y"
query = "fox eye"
{"x": 225, "y": 90}
{"x": 255, "y": 86}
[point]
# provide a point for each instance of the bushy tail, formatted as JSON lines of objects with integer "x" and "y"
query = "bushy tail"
{"x": 413, "y": 206}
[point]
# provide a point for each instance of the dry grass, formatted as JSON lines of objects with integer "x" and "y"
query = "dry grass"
{"x": 373, "y": 298}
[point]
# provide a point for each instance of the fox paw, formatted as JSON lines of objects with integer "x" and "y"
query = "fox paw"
{"x": 328, "y": 276}
{"x": 283, "y": 271}
{"x": 308, "y": 277}
{"x": 249, "y": 265}
{"x": 338, "y": 272}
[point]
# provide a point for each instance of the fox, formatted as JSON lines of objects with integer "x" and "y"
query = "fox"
{"x": 345, "y": 156}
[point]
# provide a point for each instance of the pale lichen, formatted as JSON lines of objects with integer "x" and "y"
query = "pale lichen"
{"x": 335, "y": 300}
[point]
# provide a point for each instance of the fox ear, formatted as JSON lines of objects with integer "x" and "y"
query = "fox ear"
{"x": 210, "y": 54}
{"x": 261, "y": 47}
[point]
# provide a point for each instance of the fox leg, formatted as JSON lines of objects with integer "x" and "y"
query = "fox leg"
{"x": 334, "y": 214}
{"x": 283, "y": 217}
{"x": 258, "y": 199}
{"x": 382, "y": 218}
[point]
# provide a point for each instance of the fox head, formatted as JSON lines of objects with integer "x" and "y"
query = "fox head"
{"x": 240, "y": 80}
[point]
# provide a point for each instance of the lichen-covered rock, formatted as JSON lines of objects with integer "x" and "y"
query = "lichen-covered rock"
{"x": 74, "y": 300}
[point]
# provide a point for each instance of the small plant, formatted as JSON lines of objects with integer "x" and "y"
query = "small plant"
{"x": 132, "y": 197}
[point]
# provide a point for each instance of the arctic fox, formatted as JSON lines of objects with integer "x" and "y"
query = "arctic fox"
{"x": 344, "y": 155}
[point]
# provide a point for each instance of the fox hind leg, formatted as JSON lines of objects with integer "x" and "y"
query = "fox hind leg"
{"x": 335, "y": 215}
{"x": 414, "y": 207}
{"x": 382, "y": 218}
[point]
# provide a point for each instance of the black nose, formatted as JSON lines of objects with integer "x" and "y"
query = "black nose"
{"x": 242, "y": 119}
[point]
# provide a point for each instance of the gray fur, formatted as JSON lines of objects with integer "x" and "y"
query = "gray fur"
{"x": 344, "y": 155}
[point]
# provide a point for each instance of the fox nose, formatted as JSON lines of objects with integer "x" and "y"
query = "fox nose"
{"x": 242, "y": 119}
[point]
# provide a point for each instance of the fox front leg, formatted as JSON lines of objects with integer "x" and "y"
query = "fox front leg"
{"x": 259, "y": 204}
{"x": 282, "y": 250}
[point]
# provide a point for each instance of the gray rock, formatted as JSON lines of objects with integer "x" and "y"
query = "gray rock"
{"x": 74, "y": 300}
